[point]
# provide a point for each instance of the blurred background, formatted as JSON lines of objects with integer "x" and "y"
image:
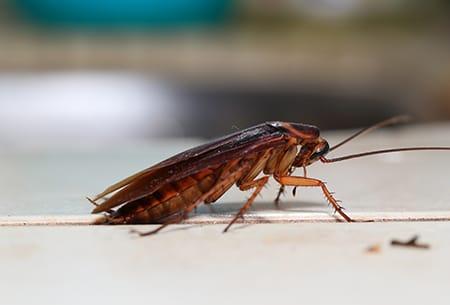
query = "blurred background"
{"x": 80, "y": 71}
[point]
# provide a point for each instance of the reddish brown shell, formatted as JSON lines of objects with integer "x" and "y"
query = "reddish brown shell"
{"x": 212, "y": 154}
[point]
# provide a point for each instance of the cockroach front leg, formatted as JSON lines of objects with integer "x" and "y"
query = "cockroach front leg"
{"x": 278, "y": 198}
{"x": 282, "y": 189}
{"x": 304, "y": 181}
{"x": 258, "y": 184}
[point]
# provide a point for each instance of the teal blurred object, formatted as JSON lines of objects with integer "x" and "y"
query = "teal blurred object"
{"x": 125, "y": 13}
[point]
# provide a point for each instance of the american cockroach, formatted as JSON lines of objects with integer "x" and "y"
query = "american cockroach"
{"x": 167, "y": 192}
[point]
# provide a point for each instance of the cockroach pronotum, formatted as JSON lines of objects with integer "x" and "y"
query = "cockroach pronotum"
{"x": 167, "y": 192}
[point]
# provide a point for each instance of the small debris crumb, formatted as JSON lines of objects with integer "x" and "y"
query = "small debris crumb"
{"x": 412, "y": 243}
{"x": 374, "y": 249}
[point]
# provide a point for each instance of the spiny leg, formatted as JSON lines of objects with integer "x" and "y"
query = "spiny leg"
{"x": 259, "y": 184}
{"x": 173, "y": 220}
{"x": 278, "y": 198}
{"x": 233, "y": 176}
{"x": 304, "y": 181}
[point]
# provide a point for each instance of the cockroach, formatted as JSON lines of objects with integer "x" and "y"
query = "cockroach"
{"x": 167, "y": 192}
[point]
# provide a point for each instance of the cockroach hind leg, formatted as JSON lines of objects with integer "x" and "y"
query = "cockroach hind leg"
{"x": 175, "y": 219}
{"x": 162, "y": 226}
{"x": 148, "y": 233}
{"x": 259, "y": 184}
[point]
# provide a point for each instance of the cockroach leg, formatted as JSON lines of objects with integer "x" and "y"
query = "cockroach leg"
{"x": 283, "y": 187}
{"x": 227, "y": 169}
{"x": 259, "y": 184}
{"x": 176, "y": 220}
{"x": 303, "y": 181}
{"x": 278, "y": 198}
{"x": 233, "y": 176}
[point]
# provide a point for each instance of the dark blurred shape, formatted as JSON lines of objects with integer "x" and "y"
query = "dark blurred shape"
{"x": 331, "y": 63}
{"x": 125, "y": 13}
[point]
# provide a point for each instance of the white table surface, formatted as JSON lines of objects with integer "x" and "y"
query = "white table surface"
{"x": 252, "y": 264}
{"x": 55, "y": 180}
{"x": 302, "y": 262}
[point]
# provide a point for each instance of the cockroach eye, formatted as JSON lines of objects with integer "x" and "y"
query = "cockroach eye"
{"x": 320, "y": 151}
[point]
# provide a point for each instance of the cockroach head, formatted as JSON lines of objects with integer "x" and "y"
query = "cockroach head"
{"x": 321, "y": 149}
{"x": 311, "y": 152}
{"x": 308, "y": 136}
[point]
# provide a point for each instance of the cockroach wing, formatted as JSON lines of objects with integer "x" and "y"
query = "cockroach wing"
{"x": 214, "y": 153}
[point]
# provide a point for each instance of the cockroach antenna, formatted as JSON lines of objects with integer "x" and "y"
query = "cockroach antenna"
{"x": 391, "y": 121}
{"x": 382, "y": 151}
